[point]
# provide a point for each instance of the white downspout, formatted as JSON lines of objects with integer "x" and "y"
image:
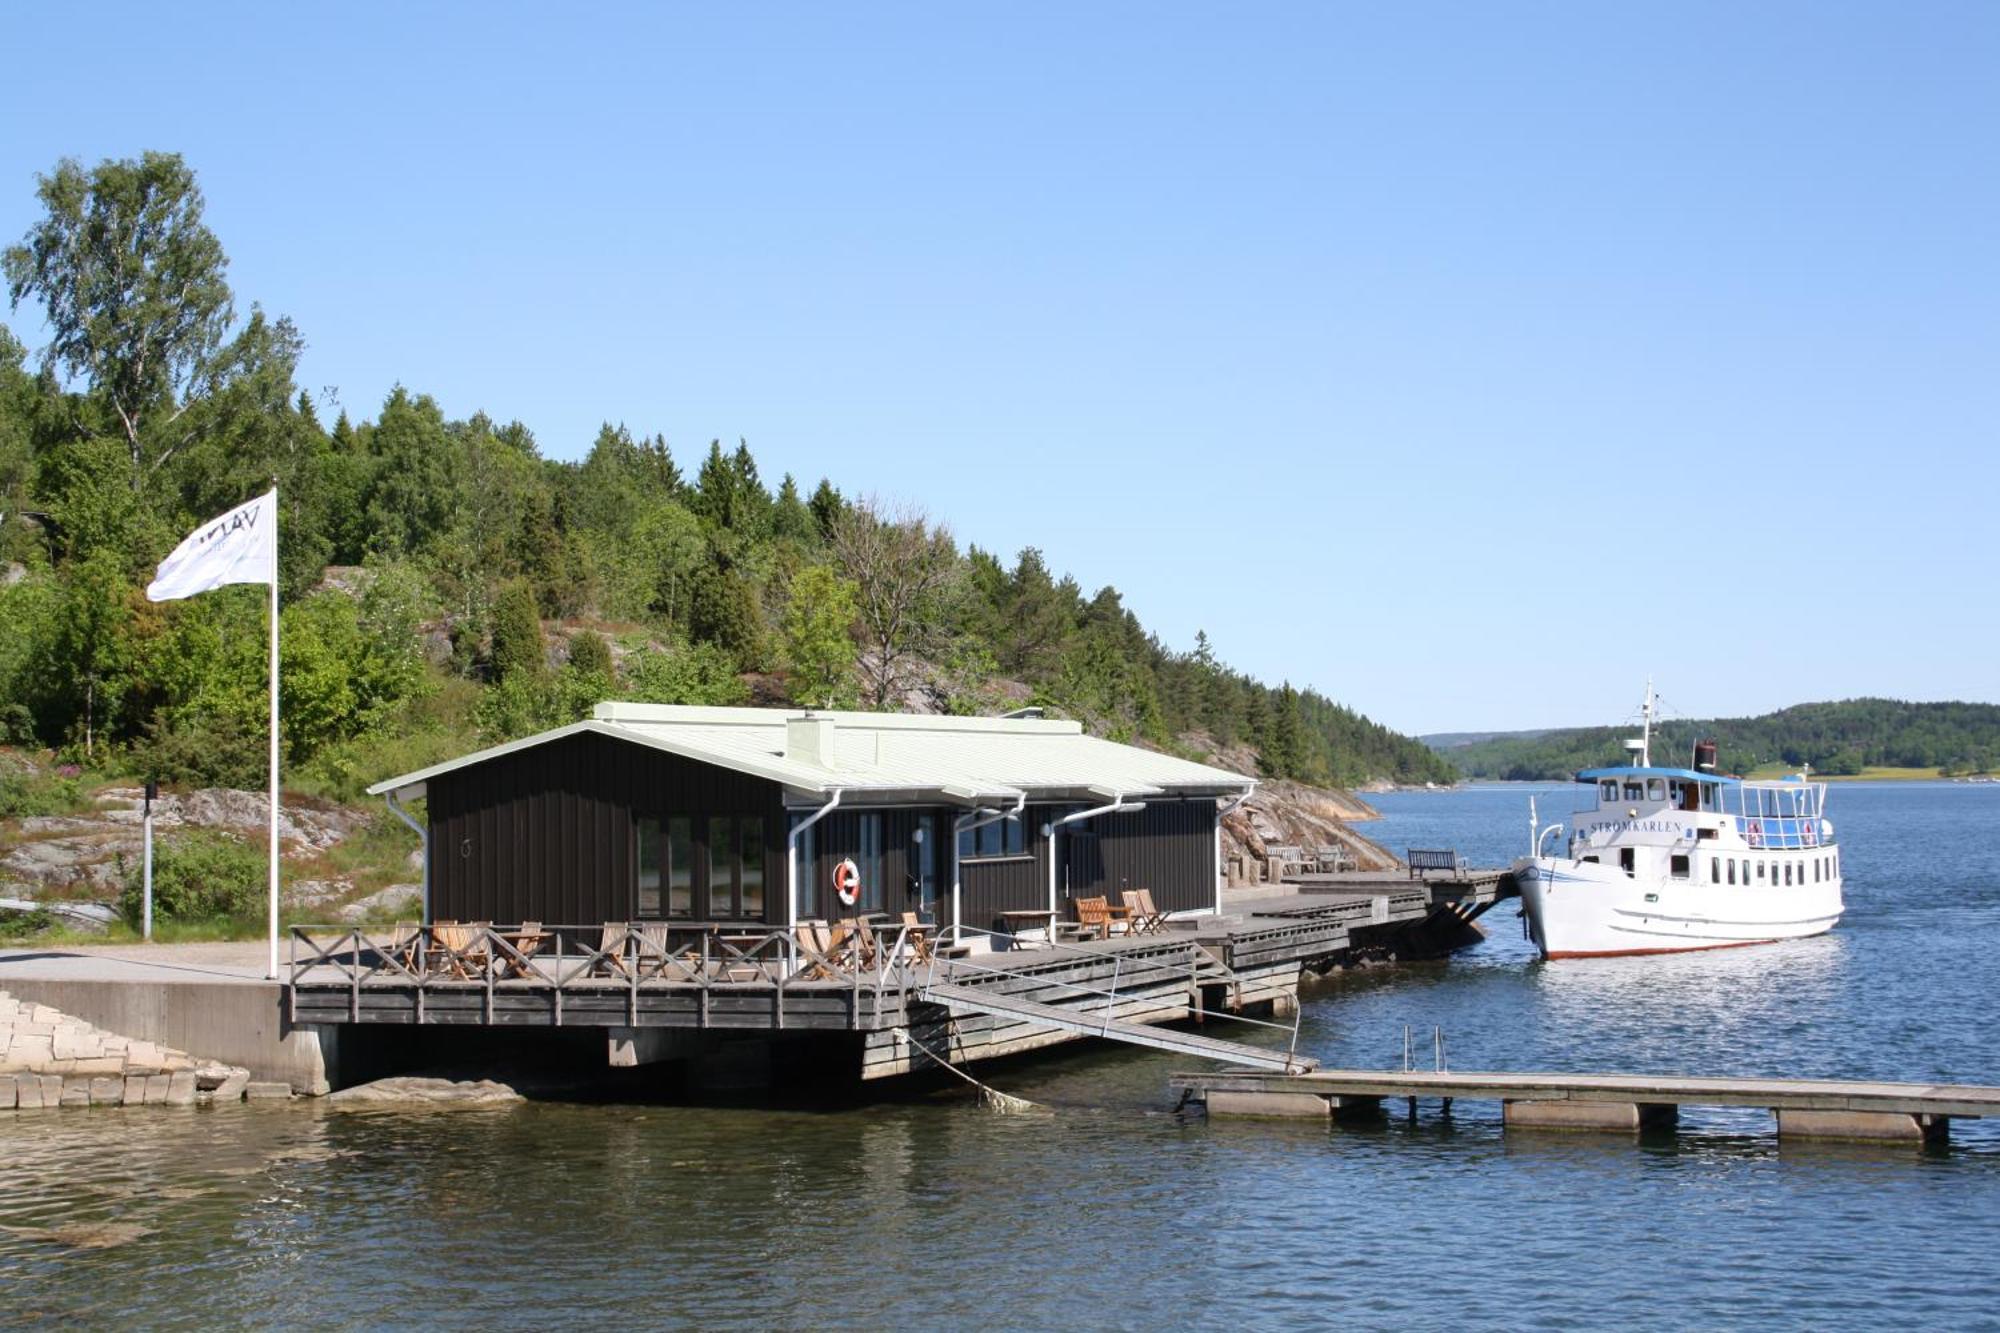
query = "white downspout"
{"x": 423, "y": 841}
{"x": 1055, "y": 828}
{"x": 792, "y": 863}
{"x": 965, "y": 823}
{"x": 1229, "y": 809}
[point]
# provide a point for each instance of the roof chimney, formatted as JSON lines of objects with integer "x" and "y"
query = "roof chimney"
{"x": 809, "y": 740}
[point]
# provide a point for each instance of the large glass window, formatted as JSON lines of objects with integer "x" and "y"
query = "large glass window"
{"x": 1656, "y": 789}
{"x": 1607, "y": 791}
{"x": 664, "y": 863}
{"x": 752, "y": 832}
{"x": 721, "y": 866}
{"x": 926, "y": 852}
{"x": 873, "y": 896}
{"x": 1002, "y": 837}
{"x": 1634, "y": 791}
{"x": 680, "y": 866}
{"x": 649, "y": 867}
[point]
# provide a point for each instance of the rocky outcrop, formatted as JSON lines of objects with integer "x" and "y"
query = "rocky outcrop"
{"x": 49, "y": 1059}
{"x": 1281, "y": 814}
{"x": 74, "y": 865}
{"x": 436, "y": 1094}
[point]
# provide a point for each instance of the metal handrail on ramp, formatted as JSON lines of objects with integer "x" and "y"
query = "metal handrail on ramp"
{"x": 978, "y": 1000}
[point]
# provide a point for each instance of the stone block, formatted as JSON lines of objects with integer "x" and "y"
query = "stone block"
{"x": 265, "y": 1092}
{"x": 73, "y": 1046}
{"x": 102, "y": 1066}
{"x": 107, "y": 1091}
{"x": 33, "y": 1029}
{"x": 7, "y": 1094}
{"x": 231, "y": 1088}
{"x": 75, "y": 1092}
{"x": 29, "y": 1051}
{"x": 157, "y": 1087}
{"x": 135, "y": 1090}
{"x": 52, "y": 1089}
{"x": 180, "y": 1088}
{"x": 28, "y": 1092}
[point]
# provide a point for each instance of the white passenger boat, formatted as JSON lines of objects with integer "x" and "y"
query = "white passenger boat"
{"x": 1663, "y": 860}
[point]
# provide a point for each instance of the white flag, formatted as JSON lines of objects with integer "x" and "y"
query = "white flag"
{"x": 239, "y": 547}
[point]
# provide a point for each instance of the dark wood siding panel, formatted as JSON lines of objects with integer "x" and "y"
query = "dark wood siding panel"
{"x": 1169, "y": 848}
{"x": 547, "y": 833}
{"x": 990, "y": 887}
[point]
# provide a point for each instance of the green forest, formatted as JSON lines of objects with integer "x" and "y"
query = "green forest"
{"x": 1837, "y": 739}
{"x": 444, "y": 584}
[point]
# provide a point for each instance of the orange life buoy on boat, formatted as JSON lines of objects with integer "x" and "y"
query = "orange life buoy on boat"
{"x": 847, "y": 883}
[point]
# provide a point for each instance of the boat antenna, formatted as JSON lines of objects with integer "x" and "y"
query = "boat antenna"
{"x": 1646, "y": 731}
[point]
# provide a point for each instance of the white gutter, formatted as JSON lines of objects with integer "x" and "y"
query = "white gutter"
{"x": 1117, "y": 806}
{"x": 1229, "y": 809}
{"x": 965, "y": 823}
{"x": 792, "y": 863}
{"x": 423, "y": 840}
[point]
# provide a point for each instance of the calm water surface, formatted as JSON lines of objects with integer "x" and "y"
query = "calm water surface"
{"x": 1112, "y": 1211}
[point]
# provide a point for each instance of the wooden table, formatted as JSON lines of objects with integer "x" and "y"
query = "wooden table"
{"x": 1028, "y": 917}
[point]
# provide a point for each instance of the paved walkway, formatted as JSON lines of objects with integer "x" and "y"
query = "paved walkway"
{"x": 233, "y": 960}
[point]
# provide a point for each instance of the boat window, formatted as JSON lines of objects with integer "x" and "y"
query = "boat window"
{"x": 1634, "y": 791}
{"x": 1760, "y": 870}
{"x": 1715, "y": 870}
{"x": 1815, "y": 870}
{"x": 1788, "y": 874}
{"x": 1590, "y": 860}
{"x": 1678, "y": 866}
{"x": 1607, "y": 790}
{"x": 1656, "y": 789}
{"x": 1708, "y": 796}
{"x": 1732, "y": 870}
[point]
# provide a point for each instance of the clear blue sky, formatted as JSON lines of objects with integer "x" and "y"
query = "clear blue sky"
{"x": 1468, "y": 362}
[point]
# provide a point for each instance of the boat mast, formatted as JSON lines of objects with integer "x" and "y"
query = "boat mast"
{"x": 1646, "y": 734}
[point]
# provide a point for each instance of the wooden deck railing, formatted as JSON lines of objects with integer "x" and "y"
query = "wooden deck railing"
{"x": 632, "y": 958}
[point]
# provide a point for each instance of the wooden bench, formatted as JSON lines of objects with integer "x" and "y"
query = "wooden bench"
{"x": 1423, "y": 860}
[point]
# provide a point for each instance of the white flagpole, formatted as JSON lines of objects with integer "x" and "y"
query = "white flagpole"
{"x": 273, "y": 973}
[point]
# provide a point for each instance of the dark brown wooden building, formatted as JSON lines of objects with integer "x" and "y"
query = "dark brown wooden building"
{"x": 740, "y": 816}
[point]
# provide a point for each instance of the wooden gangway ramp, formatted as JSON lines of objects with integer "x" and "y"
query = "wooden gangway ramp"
{"x": 960, "y": 1000}
{"x": 1805, "y": 1108}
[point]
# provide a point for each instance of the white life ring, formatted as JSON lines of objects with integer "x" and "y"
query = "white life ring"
{"x": 847, "y": 883}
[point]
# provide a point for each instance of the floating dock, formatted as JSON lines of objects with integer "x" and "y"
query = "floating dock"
{"x": 1804, "y": 1108}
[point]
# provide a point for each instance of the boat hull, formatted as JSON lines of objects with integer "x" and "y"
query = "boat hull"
{"x": 1581, "y": 909}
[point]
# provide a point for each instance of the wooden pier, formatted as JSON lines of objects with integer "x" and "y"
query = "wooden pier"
{"x": 1250, "y": 959}
{"x": 1805, "y": 1108}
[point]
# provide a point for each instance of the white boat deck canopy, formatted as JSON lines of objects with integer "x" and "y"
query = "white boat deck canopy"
{"x": 884, "y": 758}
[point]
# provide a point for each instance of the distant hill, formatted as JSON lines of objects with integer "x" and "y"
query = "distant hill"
{"x": 1840, "y": 738}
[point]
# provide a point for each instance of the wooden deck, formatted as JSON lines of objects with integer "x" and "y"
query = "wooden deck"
{"x": 1811, "y": 1108}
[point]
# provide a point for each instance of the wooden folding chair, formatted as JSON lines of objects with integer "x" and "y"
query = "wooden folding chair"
{"x": 1143, "y": 917}
{"x": 918, "y": 937}
{"x": 525, "y": 943}
{"x": 816, "y": 958}
{"x": 611, "y": 951}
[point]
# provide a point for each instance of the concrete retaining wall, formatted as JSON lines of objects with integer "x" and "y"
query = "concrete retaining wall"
{"x": 237, "y": 1023}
